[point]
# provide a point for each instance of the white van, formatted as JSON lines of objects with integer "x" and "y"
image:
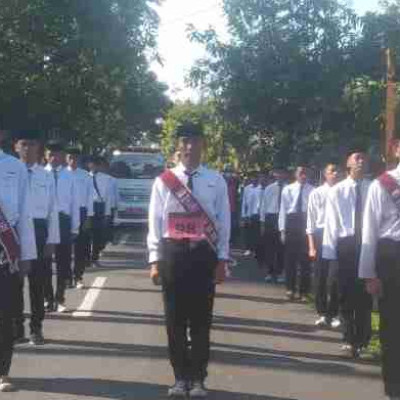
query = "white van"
{"x": 135, "y": 171}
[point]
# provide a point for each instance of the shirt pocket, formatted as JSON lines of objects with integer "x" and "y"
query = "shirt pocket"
{"x": 208, "y": 195}
{"x": 40, "y": 195}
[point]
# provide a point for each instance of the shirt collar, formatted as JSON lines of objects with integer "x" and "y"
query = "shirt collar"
{"x": 182, "y": 168}
{"x": 33, "y": 167}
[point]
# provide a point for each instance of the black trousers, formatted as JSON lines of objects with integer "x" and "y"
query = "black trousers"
{"x": 36, "y": 278}
{"x": 388, "y": 265}
{"x": 187, "y": 273}
{"x": 355, "y": 302}
{"x": 274, "y": 251}
{"x": 296, "y": 254}
{"x": 99, "y": 227}
{"x": 63, "y": 262}
{"x": 81, "y": 246}
{"x": 325, "y": 282}
{"x": 252, "y": 232}
{"x": 8, "y": 284}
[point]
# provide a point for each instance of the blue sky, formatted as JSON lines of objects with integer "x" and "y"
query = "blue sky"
{"x": 179, "y": 54}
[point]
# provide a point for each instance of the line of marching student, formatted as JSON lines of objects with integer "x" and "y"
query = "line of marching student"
{"x": 349, "y": 229}
{"x": 51, "y": 211}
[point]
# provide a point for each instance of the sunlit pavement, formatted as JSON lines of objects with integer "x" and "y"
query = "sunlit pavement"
{"x": 263, "y": 348}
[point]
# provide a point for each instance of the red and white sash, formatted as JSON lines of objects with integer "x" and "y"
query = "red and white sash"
{"x": 9, "y": 243}
{"x": 191, "y": 206}
{"x": 392, "y": 187}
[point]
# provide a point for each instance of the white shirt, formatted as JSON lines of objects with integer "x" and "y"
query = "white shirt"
{"x": 14, "y": 203}
{"x": 209, "y": 188}
{"x": 251, "y": 201}
{"x": 381, "y": 221}
{"x": 340, "y": 214}
{"x": 290, "y": 197}
{"x": 103, "y": 192}
{"x": 67, "y": 202}
{"x": 270, "y": 200}
{"x": 316, "y": 208}
{"x": 42, "y": 200}
{"x": 83, "y": 189}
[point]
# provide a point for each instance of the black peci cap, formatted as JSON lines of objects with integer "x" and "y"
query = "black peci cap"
{"x": 189, "y": 130}
{"x": 74, "y": 151}
{"x": 55, "y": 145}
{"x": 27, "y": 134}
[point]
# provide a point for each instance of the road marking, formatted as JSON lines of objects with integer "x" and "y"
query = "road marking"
{"x": 86, "y": 307}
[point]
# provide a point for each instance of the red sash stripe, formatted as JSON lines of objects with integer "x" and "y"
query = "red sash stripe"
{"x": 190, "y": 204}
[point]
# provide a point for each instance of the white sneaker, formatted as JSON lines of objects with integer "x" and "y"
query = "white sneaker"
{"x": 61, "y": 308}
{"x": 321, "y": 322}
{"x": 80, "y": 285}
{"x": 6, "y": 385}
{"x": 178, "y": 390}
{"x": 198, "y": 391}
{"x": 247, "y": 253}
{"x": 335, "y": 323}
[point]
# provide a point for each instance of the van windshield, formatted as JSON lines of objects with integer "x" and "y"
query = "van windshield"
{"x": 137, "y": 166}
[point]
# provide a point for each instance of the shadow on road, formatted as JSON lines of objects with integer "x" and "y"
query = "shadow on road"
{"x": 282, "y": 360}
{"x": 224, "y": 324}
{"x": 119, "y": 390}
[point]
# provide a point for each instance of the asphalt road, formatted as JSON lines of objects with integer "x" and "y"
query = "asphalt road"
{"x": 112, "y": 344}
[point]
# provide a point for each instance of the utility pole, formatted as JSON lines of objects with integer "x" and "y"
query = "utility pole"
{"x": 391, "y": 104}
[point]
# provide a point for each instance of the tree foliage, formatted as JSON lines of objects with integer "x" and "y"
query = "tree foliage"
{"x": 79, "y": 68}
{"x": 302, "y": 79}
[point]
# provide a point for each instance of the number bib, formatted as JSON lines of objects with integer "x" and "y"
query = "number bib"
{"x": 186, "y": 226}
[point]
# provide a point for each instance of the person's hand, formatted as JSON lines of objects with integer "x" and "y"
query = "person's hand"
{"x": 155, "y": 274}
{"x": 220, "y": 273}
{"x": 312, "y": 253}
{"x": 243, "y": 222}
{"x": 49, "y": 251}
{"x": 283, "y": 237}
{"x": 374, "y": 286}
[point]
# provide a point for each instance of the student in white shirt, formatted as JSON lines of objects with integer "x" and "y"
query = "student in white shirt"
{"x": 250, "y": 213}
{"x": 188, "y": 260}
{"x": 43, "y": 209}
{"x": 292, "y": 225}
{"x": 380, "y": 267}
{"x": 325, "y": 271}
{"x": 15, "y": 208}
{"x": 84, "y": 196}
{"x": 69, "y": 219}
{"x": 269, "y": 214}
{"x": 342, "y": 241}
{"x": 102, "y": 204}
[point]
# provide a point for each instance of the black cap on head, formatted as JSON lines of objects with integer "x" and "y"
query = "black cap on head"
{"x": 189, "y": 129}
{"x": 27, "y": 135}
{"x": 355, "y": 149}
{"x": 55, "y": 145}
{"x": 74, "y": 151}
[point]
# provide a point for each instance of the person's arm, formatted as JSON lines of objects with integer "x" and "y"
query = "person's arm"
{"x": 371, "y": 223}
{"x": 25, "y": 228}
{"x": 223, "y": 228}
{"x": 244, "y": 203}
{"x": 74, "y": 208}
{"x": 53, "y": 224}
{"x": 331, "y": 227}
{"x": 264, "y": 201}
{"x": 312, "y": 215}
{"x": 89, "y": 196}
{"x": 283, "y": 209}
{"x": 155, "y": 223}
